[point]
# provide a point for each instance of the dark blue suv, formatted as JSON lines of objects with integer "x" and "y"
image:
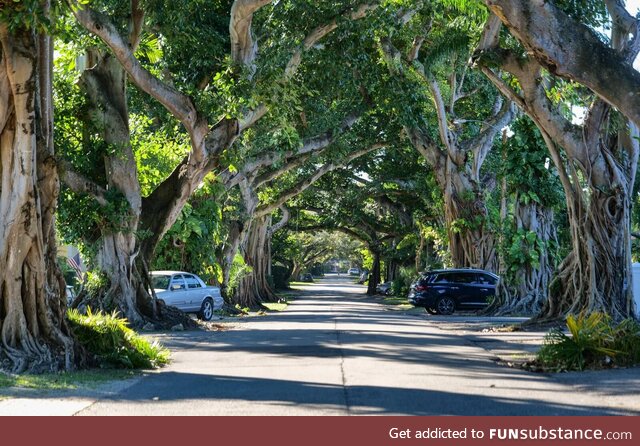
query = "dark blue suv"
{"x": 446, "y": 290}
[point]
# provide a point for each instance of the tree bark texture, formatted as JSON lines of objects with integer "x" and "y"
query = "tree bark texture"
{"x": 254, "y": 287}
{"x": 472, "y": 243}
{"x": 34, "y": 333}
{"x": 105, "y": 86}
{"x": 596, "y": 275}
{"x": 374, "y": 275}
{"x": 525, "y": 291}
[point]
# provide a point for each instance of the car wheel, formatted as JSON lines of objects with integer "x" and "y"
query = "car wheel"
{"x": 206, "y": 310}
{"x": 445, "y": 305}
{"x": 387, "y": 292}
{"x": 430, "y": 310}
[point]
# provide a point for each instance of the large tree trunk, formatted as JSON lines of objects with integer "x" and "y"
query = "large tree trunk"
{"x": 471, "y": 242}
{"x": 105, "y": 86}
{"x": 296, "y": 270}
{"x": 34, "y": 333}
{"x": 393, "y": 268}
{"x": 374, "y": 276}
{"x": 254, "y": 287}
{"x": 525, "y": 290}
{"x": 596, "y": 275}
{"x": 229, "y": 251}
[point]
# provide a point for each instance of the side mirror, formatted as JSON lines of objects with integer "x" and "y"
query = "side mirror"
{"x": 175, "y": 287}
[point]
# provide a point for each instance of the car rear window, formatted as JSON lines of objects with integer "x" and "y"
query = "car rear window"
{"x": 192, "y": 282}
{"x": 160, "y": 282}
{"x": 463, "y": 277}
{"x": 486, "y": 279}
{"x": 441, "y": 278}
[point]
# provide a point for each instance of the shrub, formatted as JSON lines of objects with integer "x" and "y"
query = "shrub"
{"x": 400, "y": 285}
{"x": 280, "y": 274}
{"x": 595, "y": 341}
{"x": 239, "y": 269}
{"x": 113, "y": 343}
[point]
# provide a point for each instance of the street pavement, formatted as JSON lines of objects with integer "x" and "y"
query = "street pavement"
{"x": 335, "y": 351}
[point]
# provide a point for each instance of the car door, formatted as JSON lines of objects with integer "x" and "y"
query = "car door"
{"x": 195, "y": 292}
{"x": 485, "y": 289}
{"x": 177, "y": 294}
{"x": 461, "y": 288}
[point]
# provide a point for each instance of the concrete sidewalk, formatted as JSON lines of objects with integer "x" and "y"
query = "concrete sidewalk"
{"x": 510, "y": 347}
{"x": 32, "y": 402}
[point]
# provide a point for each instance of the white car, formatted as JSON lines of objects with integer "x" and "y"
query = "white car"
{"x": 354, "y": 272}
{"x": 187, "y": 292}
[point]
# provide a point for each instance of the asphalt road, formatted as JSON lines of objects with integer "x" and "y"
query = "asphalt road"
{"x": 335, "y": 352}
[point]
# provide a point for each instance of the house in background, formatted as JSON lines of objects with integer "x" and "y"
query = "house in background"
{"x": 73, "y": 260}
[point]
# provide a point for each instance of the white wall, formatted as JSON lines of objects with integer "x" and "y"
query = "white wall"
{"x": 636, "y": 286}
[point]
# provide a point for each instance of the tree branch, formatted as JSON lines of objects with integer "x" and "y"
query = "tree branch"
{"x": 80, "y": 184}
{"x": 484, "y": 140}
{"x": 359, "y": 12}
{"x": 570, "y": 49}
{"x": 309, "y": 146}
{"x": 244, "y": 48}
{"x": 301, "y": 186}
{"x": 264, "y": 178}
{"x": 286, "y": 215}
{"x": 620, "y": 16}
{"x": 321, "y": 31}
{"x": 135, "y": 24}
{"x": 490, "y": 33}
{"x": 177, "y": 103}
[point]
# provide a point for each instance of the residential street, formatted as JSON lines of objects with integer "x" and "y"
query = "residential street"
{"x": 336, "y": 352}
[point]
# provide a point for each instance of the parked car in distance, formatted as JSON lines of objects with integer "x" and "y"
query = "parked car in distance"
{"x": 187, "y": 292}
{"x": 306, "y": 277}
{"x": 384, "y": 288}
{"x": 354, "y": 272}
{"x": 447, "y": 290}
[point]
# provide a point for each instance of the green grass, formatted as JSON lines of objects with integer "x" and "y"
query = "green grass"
{"x": 400, "y": 303}
{"x": 66, "y": 380}
{"x": 276, "y": 306}
{"x": 395, "y": 300}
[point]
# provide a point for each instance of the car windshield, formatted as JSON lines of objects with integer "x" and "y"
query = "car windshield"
{"x": 160, "y": 282}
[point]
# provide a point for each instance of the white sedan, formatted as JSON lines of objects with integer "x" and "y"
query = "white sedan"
{"x": 187, "y": 292}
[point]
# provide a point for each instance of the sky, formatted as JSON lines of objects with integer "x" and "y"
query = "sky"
{"x": 633, "y": 6}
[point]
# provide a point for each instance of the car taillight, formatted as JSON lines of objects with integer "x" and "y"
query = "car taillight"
{"x": 421, "y": 287}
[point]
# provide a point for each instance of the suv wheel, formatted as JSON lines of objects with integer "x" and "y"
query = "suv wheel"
{"x": 445, "y": 305}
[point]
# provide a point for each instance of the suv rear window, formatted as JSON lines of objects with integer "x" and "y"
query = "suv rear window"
{"x": 457, "y": 277}
{"x": 462, "y": 277}
{"x": 486, "y": 279}
{"x": 440, "y": 278}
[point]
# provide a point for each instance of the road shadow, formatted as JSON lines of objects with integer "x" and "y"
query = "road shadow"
{"x": 359, "y": 400}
